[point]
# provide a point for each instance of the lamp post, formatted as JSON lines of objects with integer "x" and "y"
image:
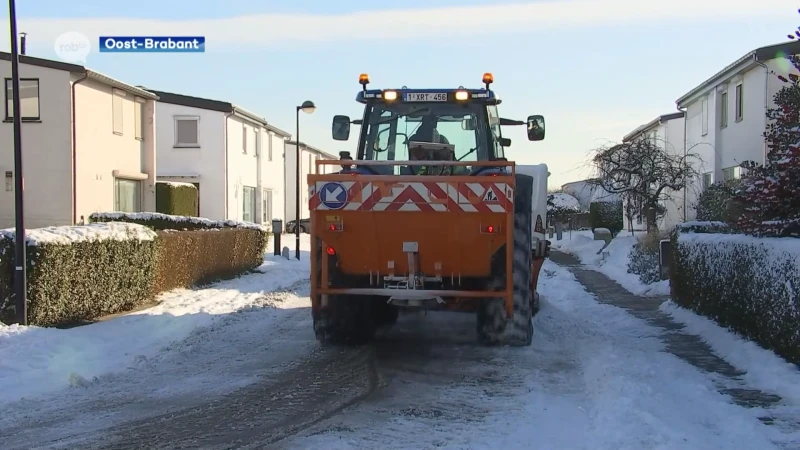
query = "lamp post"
{"x": 20, "y": 275}
{"x": 23, "y": 37}
{"x": 307, "y": 107}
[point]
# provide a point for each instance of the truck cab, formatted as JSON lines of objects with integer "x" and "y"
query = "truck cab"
{"x": 463, "y": 122}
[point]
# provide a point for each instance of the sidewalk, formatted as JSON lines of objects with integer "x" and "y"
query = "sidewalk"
{"x": 685, "y": 346}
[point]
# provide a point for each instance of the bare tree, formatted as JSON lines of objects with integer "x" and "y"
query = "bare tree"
{"x": 643, "y": 174}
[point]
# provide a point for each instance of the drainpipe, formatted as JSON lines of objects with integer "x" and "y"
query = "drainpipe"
{"x": 685, "y": 152}
{"x": 766, "y": 103}
{"x": 225, "y": 165}
{"x": 75, "y": 152}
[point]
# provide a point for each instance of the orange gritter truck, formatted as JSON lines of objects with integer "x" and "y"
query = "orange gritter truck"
{"x": 429, "y": 214}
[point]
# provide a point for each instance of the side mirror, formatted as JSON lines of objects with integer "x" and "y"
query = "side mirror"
{"x": 469, "y": 123}
{"x": 340, "y": 128}
{"x": 535, "y": 128}
{"x": 505, "y": 142}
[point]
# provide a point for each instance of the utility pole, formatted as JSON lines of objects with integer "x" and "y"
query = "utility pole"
{"x": 20, "y": 263}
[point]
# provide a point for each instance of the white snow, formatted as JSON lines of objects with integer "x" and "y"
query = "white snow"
{"x": 92, "y": 232}
{"x": 178, "y": 184}
{"x": 195, "y": 220}
{"x": 765, "y": 370}
{"x": 565, "y": 201}
{"x": 595, "y": 378}
{"x": 582, "y": 245}
{"x": 36, "y": 361}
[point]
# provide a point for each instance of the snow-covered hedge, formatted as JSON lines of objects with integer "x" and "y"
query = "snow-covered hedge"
{"x": 82, "y": 272}
{"x": 159, "y": 221}
{"x": 747, "y": 284}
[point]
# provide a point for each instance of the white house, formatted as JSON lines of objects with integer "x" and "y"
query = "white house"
{"x": 234, "y": 157}
{"x": 666, "y": 131}
{"x": 308, "y": 157}
{"x": 88, "y": 144}
{"x": 586, "y": 192}
{"x": 726, "y": 115}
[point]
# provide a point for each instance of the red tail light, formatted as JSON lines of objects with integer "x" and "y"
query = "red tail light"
{"x": 331, "y": 251}
{"x": 490, "y": 229}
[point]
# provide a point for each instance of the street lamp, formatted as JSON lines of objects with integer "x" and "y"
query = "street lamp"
{"x": 20, "y": 269}
{"x": 307, "y": 107}
{"x": 23, "y": 37}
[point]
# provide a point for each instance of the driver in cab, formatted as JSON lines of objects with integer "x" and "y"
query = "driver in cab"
{"x": 427, "y": 132}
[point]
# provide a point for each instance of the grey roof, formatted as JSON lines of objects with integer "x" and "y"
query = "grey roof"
{"x": 75, "y": 68}
{"x": 304, "y": 146}
{"x": 755, "y": 56}
{"x": 652, "y": 124}
{"x": 216, "y": 105}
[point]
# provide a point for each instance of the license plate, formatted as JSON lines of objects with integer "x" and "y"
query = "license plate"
{"x": 426, "y": 97}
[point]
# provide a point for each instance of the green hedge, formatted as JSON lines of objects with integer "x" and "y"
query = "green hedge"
{"x": 80, "y": 273}
{"x": 180, "y": 199}
{"x": 606, "y": 215}
{"x": 748, "y": 285}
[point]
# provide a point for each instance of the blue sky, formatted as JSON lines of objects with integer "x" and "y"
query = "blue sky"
{"x": 595, "y": 68}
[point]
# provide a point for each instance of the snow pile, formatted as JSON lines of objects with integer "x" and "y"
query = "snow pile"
{"x": 64, "y": 235}
{"x": 613, "y": 262}
{"x": 36, "y": 361}
{"x": 563, "y": 201}
{"x": 197, "y": 221}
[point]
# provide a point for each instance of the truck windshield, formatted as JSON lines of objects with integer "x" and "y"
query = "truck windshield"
{"x": 389, "y": 128}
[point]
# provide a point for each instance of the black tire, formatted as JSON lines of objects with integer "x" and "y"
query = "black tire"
{"x": 385, "y": 314}
{"x": 347, "y": 319}
{"x": 494, "y": 327}
{"x": 303, "y": 229}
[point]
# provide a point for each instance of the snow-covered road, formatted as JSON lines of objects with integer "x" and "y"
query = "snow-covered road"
{"x": 254, "y": 377}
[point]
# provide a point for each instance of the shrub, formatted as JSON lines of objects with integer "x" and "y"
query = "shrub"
{"x": 180, "y": 199}
{"x": 221, "y": 249}
{"x": 717, "y": 202}
{"x": 643, "y": 259}
{"x": 190, "y": 258}
{"x": 606, "y": 215}
{"x": 746, "y": 284}
{"x": 81, "y": 273}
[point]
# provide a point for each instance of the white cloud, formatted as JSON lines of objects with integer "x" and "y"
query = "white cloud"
{"x": 468, "y": 21}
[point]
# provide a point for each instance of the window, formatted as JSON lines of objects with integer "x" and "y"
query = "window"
{"x": 310, "y": 163}
{"x": 707, "y": 180}
{"x": 187, "y": 131}
{"x": 731, "y": 173}
{"x": 257, "y": 141}
{"x": 723, "y": 110}
{"x": 389, "y": 128}
{"x": 244, "y": 139}
{"x": 127, "y": 195}
{"x": 28, "y": 98}
{"x": 138, "y": 117}
{"x": 248, "y": 204}
{"x": 266, "y": 206}
{"x": 704, "y": 116}
{"x": 739, "y": 103}
{"x": 116, "y": 110}
{"x": 269, "y": 147}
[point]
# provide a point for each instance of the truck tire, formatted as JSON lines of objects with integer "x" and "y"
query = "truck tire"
{"x": 494, "y": 327}
{"x": 348, "y": 319}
